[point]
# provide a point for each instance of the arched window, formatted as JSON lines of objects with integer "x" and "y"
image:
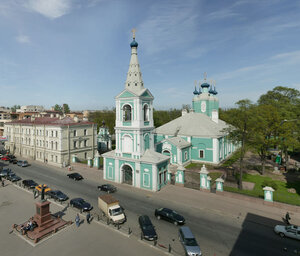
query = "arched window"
{"x": 126, "y": 113}
{"x": 146, "y": 112}
{"x": 127, "y": 144}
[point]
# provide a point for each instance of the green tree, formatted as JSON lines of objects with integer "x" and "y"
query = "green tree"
{"x": 239, "y": 131}
{"x": 65, "y": 108}
{"x": 265, "y": 123}
{"x": 15, "y": 107}
{"x": 58, "y": 108}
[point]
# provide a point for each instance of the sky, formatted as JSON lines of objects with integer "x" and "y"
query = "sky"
{"x": 77, "y": 51}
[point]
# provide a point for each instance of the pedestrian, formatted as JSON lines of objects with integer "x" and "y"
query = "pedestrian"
{"x": 88, "y": 218}
{"x": 2, "y": 182}
{"x": 77, "y": 220}
{"x": 287, "y": 218}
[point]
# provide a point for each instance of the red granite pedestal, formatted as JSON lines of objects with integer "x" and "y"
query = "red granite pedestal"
{"x": 46, "y": 223}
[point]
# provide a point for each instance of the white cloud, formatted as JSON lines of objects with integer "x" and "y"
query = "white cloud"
{"x": 23, "y": 39}
{"x": 50, "y": 8}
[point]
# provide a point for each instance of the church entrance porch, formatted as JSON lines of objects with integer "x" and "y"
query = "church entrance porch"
{"x": 127, "y": 174}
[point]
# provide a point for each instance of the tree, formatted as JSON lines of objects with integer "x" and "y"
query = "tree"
{"x": 239, "y": 130}
{"x": 15, "y": 107}
{"x": 286, "y": 102}
{"x": 65, "y": 108}
{"x": 58, "y": 108}
{"x": 265, "y": 123}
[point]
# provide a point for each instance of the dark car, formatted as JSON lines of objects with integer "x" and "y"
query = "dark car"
{"x": 13, "y": 160}
{"x": 169, "y": 215}
{"x": 75, "y": 176}
{"x": 81, "y": 204}
{"x": 5, "y": 172}
{"x": 29, "y": 184}
{"x": 11, "y": 156}
{"x": 148, "y": 230}
{"x": 107, "y": 188}
{"x": 57, "y": 195}
{"x": 13, "y": 177}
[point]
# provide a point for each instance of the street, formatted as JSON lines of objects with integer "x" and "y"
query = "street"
{"x": 216, "y": 233}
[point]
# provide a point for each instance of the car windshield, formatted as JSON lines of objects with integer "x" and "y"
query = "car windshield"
{"x": 117, "y": 211}
{"x": 190, "y": 242}
{"x": 59, "y": 193}
{"x": 25, "y": 162}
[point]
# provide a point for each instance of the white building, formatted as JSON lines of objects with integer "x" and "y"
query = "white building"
{"x": 51, "y": 139}
{"x": 30, "y": 108}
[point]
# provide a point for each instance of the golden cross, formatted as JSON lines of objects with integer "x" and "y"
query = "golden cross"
{"x": 195, "y": 83}
{"x": 205, "y": 74}
{"x": 133, "y": 33}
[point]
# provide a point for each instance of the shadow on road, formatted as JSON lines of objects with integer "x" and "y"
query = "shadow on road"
{"x": 257, "y": 237}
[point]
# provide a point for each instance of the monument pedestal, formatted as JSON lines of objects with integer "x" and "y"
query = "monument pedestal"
{"x": 43, "y": 214}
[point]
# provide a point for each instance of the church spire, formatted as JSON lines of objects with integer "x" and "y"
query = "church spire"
{"x": 134, "y": 81}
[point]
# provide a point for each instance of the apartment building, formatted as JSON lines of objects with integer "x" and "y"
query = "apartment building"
{"x": 51, "y": 139}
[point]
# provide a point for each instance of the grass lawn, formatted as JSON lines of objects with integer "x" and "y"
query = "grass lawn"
{"x": 199, "y": 166}
{"x": 280, "y": 194}
{"x": 214, "y": 176}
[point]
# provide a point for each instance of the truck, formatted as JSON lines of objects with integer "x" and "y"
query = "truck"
{"x": 111, "y": 209}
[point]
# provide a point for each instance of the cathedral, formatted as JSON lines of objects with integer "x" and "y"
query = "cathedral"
{"x": 144, "y": 156}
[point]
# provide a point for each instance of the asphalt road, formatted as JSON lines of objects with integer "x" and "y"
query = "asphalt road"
{"x": 216, "y": 233}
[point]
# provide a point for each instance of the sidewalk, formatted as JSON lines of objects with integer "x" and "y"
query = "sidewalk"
{"x": 17, "y": 205}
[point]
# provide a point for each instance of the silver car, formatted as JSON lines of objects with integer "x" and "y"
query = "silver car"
{"x": 288, "y": 231}
{"x": 189, "y": 242}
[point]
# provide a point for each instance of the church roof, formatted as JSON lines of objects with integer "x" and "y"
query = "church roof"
{"x": 179, "y": 142}
{"x": 193, "y": 124}
{"x": 153, "y": 157}
{"x": 128, "y": 94}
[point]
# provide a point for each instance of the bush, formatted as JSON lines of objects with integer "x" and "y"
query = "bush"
{"x": 269, "y": 183}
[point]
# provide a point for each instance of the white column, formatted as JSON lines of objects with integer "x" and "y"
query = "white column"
{"x": 117, "y": 171}
{"x": 104, "y": 168}
{"x": 154, "y": 177}
{"x": 215, "y": 150}
{"x": 137, "y": 176}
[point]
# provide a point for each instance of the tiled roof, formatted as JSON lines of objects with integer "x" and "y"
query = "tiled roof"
{"x": 50, "y": 121}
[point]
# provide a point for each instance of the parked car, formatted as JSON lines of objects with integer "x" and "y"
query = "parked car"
{"x": 148, "y": 230}
{"x": 75, "y": 176}
{"x": 288, "y": 231}
{"x": 13, "y": 177}
{"x": 13, "y": 160}
{"x": 22, "y": 163}
{"x": 11, "y": 156}
{"x": 5, "y": 172}
{"x": 29, "y": 184}
{"x": 107, "y": 188}
{"x": 169, "y": 215}
{"x": 5, "y": 158}
{"x": 189, "y": 242}
{"x": 80, "y": 204}
{"x": 57, "y": 195}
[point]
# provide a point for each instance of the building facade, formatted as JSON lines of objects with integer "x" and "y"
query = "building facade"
{"x": 134, "y": 161}
{"x": 53, "y": 140}
{"x": 198, "y": 135}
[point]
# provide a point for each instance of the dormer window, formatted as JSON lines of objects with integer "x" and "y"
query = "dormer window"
{"x": 126, "y": 113}
{"x": 135, "y": 84}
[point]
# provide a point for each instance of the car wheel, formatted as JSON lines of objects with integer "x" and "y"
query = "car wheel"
{"x": 158, "y": 217}
{"x": 175, "y": 223}
{"x": 281, "y": 234}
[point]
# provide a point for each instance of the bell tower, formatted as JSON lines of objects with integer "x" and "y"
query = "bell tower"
{"x": 134, "y": 112}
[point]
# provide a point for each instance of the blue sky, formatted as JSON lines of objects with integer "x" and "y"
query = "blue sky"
{"x": 77, "y": 51}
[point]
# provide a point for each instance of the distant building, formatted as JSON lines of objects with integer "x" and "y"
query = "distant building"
{"x": 104, "y": 139}
{"x": 5, "y": 116}
{"x": 51, "y": 139}
{"x": 30, "y": 108}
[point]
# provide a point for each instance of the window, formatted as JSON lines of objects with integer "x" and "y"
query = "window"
{"x": 146, "y": 112}
{"x": 51, "y": 144}
{"x": 56, "y": 134}
{"x": 165, "y": 176}
{"x": 201, "y": 153}
{"x": 56, "y": 145}
{"x": 75, "y": 144}
{"x": 74, "y": 133}
{"x": 85, "y": 143}
{"x": 84, "y": 132}
{"x": 185, "y": 155}
{"x": 85, "y": 155}
{"x": 56, "y": 159}
{"x": 52, "y": 158}
{"x": 47, "y": 133}
{"x": 127, "y": 113}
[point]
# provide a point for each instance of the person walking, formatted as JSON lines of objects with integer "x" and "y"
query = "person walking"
{"x": 88, "y": 218}
{"x": 287, "y": 218}
{"x": 77, "y": 220}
